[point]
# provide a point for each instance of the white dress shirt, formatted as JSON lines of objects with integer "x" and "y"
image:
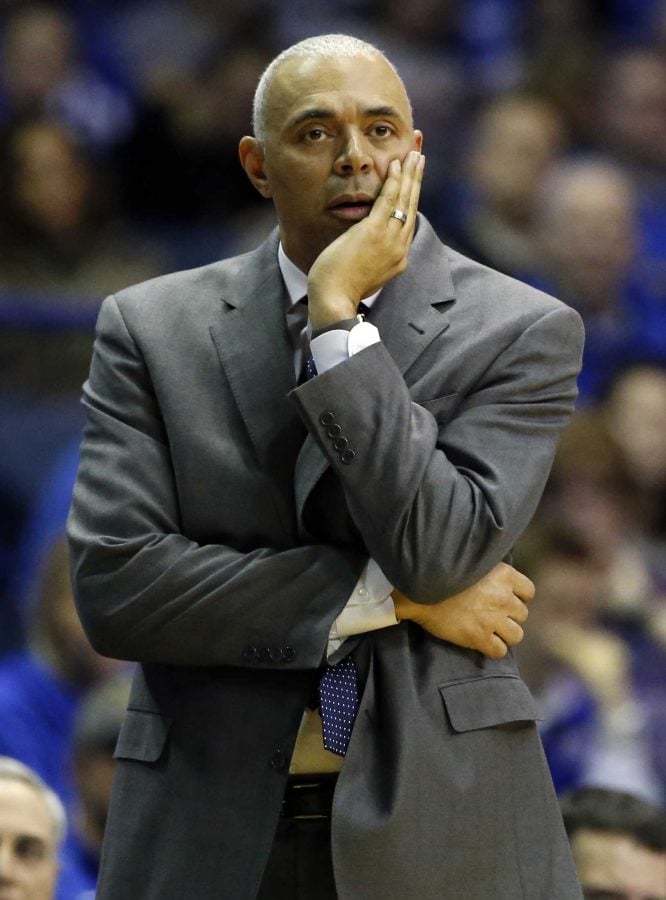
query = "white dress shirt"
{"x": 370, "y": 605}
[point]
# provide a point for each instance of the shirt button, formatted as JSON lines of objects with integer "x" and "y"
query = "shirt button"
{"x": 363, "y": 592}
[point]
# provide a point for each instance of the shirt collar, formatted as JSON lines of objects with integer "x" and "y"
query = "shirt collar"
{"x": 296, "y": 281}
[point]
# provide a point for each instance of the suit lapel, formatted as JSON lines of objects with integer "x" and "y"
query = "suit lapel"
{"x": 410, "y": 313}
{"x": 412, "y": 310}
{"x": 256, "y": 355}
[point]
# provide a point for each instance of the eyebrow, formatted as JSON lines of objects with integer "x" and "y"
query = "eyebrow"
{"x": 322, "y": 112}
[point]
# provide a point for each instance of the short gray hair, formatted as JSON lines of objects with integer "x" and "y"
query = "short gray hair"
{"x": 13, "y": 770}
{"x": 324, "y": 46}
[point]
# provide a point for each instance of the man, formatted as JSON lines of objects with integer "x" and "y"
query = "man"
{"x": 230, "y": 530}
{"x": 32, "y": 827}
{"x": 618, "y": 843}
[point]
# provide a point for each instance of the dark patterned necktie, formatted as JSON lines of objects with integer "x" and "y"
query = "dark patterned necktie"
{"x": 338, "y": 704}
{"x": 309, "y": 369}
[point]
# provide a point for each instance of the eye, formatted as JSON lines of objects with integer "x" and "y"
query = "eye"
{"x": 381, "y": 130}
{"x": 31, "y": 848}
{"x": 314, "y": 135}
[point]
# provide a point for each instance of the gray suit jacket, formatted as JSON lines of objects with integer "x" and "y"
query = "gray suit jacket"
{"x": 217, "y": 532}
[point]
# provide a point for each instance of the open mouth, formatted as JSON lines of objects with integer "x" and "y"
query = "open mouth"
{"x": 351, "y": 210}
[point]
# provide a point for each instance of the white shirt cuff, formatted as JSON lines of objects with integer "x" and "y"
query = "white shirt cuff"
{"x": 334, "y": 346}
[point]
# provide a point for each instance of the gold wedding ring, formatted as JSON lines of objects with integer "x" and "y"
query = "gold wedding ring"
{"x": 399, "y": 215}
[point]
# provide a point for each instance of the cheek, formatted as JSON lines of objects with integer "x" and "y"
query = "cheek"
{"x": 39, "y": 879}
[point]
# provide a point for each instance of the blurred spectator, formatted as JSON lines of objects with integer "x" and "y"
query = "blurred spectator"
{"x": 96, "y": 731}
{"x": 636, "y": 416}
{"x": 593, "y": 496}
{"x": 589, "y": 258}
{"x": 634, "y": 132}
{"x": 618, "y": 843}
{"x": 58, "y": 234}
{"x": 160, "y": 42}
{"x": 43, "y": 74}
{"x": 517, "y": 140}
{"x": 594, "y": 726}
{"x": 563, "y": 45}
{"x": 179, "y": 168}
{"x": 634, "y": 111}
{"x": 40, "y": 687}
{"x": 593, "y": 505}
{"x": 32, "y": 827}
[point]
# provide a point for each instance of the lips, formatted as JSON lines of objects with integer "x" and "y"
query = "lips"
{"x": 351, "y": 207}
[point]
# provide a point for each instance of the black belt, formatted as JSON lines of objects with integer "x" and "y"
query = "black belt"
{"x": 309, "y": 796}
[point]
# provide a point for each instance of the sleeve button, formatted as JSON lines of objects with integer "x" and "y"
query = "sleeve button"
{"x": 334, "y": 430}
{"x": 347, "y": 456}
{"x": 264, "y": 654}
{"x": 276, "y": 654}
{"x": 327, "y": 418}
{"x": 249, "y": 653}
{"x": 340, "y": 444}
{"x": 289, "y": 654}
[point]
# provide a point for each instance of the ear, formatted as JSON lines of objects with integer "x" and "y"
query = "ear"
{"x": 252, "y": 160}
{"x": 418, "y": 139}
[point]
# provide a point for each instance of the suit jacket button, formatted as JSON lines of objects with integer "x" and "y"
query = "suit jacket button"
{"x": 264, "y": 654}
{"x": 288, "y": 654}
{"x": 249, "y": 653}
{"x": 276, "y": 654}
{"x": 278, "y": 761}
{"x": 327, "y": 418}
{"x": 340, "y": 444}
{"x": 347, "y": 456}
{"x": 334, "y": 430}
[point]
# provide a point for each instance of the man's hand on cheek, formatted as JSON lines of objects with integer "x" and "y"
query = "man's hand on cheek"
{"x": 371, "y": 252}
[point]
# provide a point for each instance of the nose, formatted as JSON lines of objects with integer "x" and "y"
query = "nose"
{"x": 6, "y": 862}
{"x": 354, "y": 157}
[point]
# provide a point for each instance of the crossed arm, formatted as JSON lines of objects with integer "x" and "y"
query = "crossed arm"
{"x": 147, "y": 592}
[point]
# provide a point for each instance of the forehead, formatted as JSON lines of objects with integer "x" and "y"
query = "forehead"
{"x": 23, "y": 812}
{"x": 342, "y": 84}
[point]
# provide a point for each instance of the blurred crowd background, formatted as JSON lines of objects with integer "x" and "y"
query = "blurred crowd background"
{"x": 545, "y": 139}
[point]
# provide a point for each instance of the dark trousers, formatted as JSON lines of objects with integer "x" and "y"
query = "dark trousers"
{"x": 300, "y": 865}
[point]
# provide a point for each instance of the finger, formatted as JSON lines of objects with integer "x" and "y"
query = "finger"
{"x": 523, "y": 587}
{"x": 410, "y": 190}
{"x": 510, "y": 632}
{"x": 417, "y": 181}
{"x": 495, "y": 648}
{"x": 517, "y": 610}
{"x": 387, "y": 198}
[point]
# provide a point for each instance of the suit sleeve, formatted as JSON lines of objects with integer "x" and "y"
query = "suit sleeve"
{"x": 441, "y": 490}
{"x": 146, "y": 592}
